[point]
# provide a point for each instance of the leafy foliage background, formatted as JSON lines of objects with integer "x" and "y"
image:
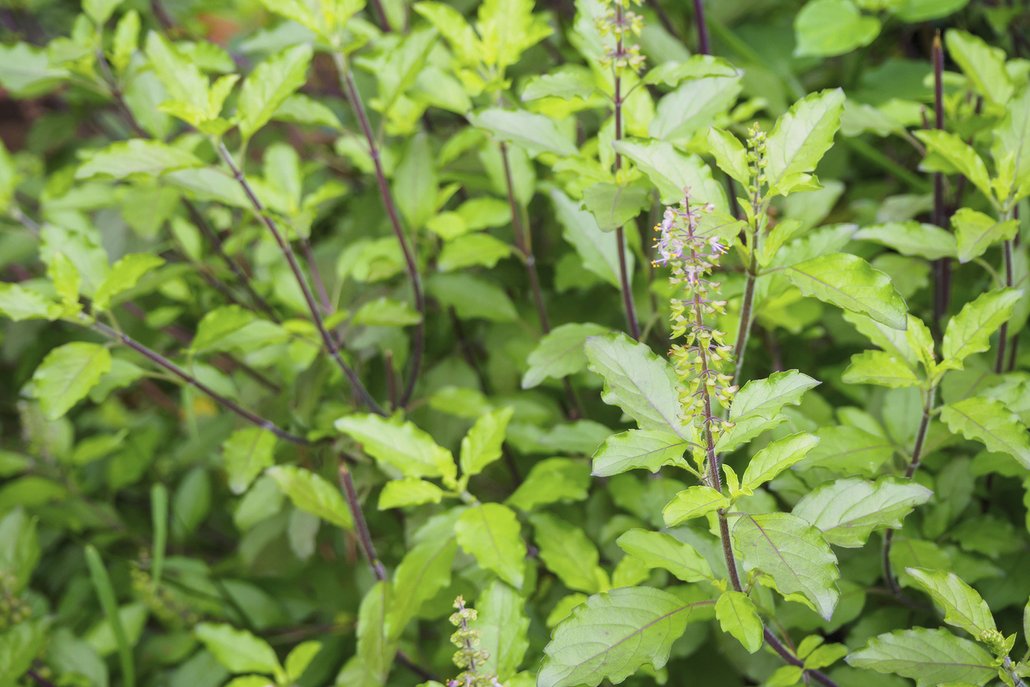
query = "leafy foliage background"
{"x": 318, "y": 316}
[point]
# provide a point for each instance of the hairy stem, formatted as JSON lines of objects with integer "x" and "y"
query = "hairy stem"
{"x": 620, "y": 238}
{"x": 328, "y": 341}
{"x": 185, "y": 376}
{"x": 350, "y": 89}
{"x": 910, "y": 471}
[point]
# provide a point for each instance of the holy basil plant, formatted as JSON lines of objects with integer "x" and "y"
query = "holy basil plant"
{"x": 500, "y": 343}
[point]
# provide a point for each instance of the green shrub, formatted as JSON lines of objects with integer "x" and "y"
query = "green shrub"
{"x": 338, "y": 348}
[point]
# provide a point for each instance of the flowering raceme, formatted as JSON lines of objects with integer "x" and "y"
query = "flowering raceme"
{"x": 702, "y": 360}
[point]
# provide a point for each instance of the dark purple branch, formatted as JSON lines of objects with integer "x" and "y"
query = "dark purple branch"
{"x": 328, "y": 341}
{"x": 703, "y": 44}
{"x": 177, "y": 371}
{"x": 418, "y": 344}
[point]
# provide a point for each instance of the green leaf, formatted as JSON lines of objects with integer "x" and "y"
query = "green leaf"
{"x": 187, "y": 87}
{"x": 567, "y": 552}
{"x": 880, "y": 368}
{"x": 409, "y": 491}
{"x": 109, "y": 603}
{"x": 508, "y": 28}
{"x": 930, "y": 657}
{"x": 912, "y": 238}
{"x": 672, "y": 72}
{"x": 552, "y": 480}
{"x": 559, "y": 353}
{"x": 100, "y": 10}
{"x": 970, "y": 331}
{"x": 472, "y": 297}
{"x": 914, "y": 345}
{"x": 67, "y": 374}
{"x": 730, "y": 154}
{"x": 237, "y": 650}
{"x": 672, "y": 171}
{"x": 250, "y": 681}
{"x": 976, "y": 232}
{"x": 136, "y": 156}
{"x": 300, "y": 657}
{"x": 597, "y": 249}
{"x": 778, "y": 456}
{"x": 693, "y": 502}
{"x": 303, "y": 109}
{"x": 209, "y": 183}
{"x": 851, "y": 283}
{"x": 452, "y": 26}
{"x": 415, "y": 183}
{"x": 386, "y": 312}
{"x": 825, "y": 28}
{"x": 612, "y": 635}
{"x": 536, "y": 133}
{"x": 19, "y": 549}
{"x": 247, "y": 452}
{"x": 738, "y": 616}
{"x": 914, "y": 11}
{"x": 849, "y": 510}
{"x": 614, "y": 205}
{"x": 639, "y": 449}
{"x": 425, "y": 570}
{"x": 850, "y": 451}
{"x": 269, "y": 85}
{"x": 9, "y": 178}
{"x": 661, "y": 550}
{"x": 948, "y": 153}
{"x": 375, "y": 647}
{"x": 566, "y": 82}
{"x": 472, "y": 249}
{"x": 793, "y": 553}
{"x": 482, "y": 445}
{"x": 638, "y": 381}
{"x": 233, "y": 326}
{"x": 312, "y": 494}
{"x": 124, "y": 275}
{"x": 756, "y": 407}
{"x": 19, "y": 303}
{"x": 403, "y": 447}
{"x": 693, "y": 106}
{"x": 990, "y": 422}
{"x": 19, "y": 647}
{"x": 800, "y": 139}
{"x": 983, "y": 65}
{"x": 302, "y": 12}
{"x": 503, "y": 630}
{"x": 27, "y": 72}
{"x": 491, "y": 534}
{"x": 963, "y": 606}
{"x": 1011, "y": 148}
